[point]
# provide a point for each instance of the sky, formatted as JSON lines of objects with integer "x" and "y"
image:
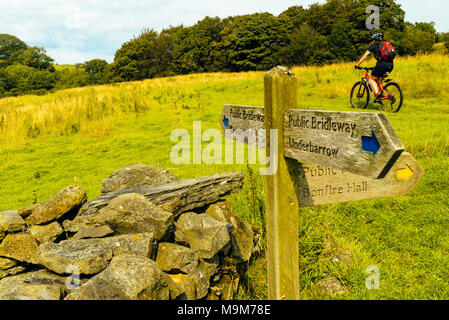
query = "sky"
{"x": 80, "y": 30}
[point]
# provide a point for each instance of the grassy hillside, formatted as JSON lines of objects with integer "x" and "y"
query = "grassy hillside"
{"x": 80, "y": 136}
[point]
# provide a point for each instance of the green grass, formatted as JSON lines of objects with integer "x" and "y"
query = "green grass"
{"x": 85, "y": 134}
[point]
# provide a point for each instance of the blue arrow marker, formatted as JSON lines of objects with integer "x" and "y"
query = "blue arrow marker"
{"x": 370, "y": 144}
{"x": 226, "y": 122}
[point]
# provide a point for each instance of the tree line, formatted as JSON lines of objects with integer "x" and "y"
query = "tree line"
{"x": 320, "y": 34}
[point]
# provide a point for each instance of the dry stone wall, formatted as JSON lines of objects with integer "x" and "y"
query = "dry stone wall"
{"x": 149, "y": 235}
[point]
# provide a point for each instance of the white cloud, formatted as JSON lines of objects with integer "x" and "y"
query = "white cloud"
{"x": 70, "y": 56}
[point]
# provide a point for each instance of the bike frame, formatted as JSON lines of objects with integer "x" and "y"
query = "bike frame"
{"x": 366, "y": 79}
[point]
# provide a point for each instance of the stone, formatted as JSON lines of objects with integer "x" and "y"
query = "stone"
{"x": 200, "y": 282}
{"x": 203, "y": 233}
{"x": 88, "y": 258}
{"x": 228, "y": 278}
{"x": 46, "y": 233}
{"x": 138, "y": 175}
{"x": 215, "y": 293}
{"x": 209, "y": 267}
{"x": 186, "y": 285}
{"x": 179, "y": 280}
{"x": 176, "y": 258}
{"x": 26, "y": 211}
{"x": 6, "y": 263}
{"x": 227, "y": 286}
{"x": 176, "y": 197}
{"x": 91, "y": 256}
{"x": 139, "y": 278}
{"x": 143, "y": 244}
{"x": 11, "y": 271}
{"x": 195, "y": 285}
{"x": 37, "y": 285}
{"x": 176, "y": 290}
{"x": 97, "y": 289}
{"x": 63, "y": 202}
{"x": 79, "y": 223}
{"x": 11, "y": 221}
{"x": 21, "y": 247}
{"x": 94, "y": 232}
{"x": 242, "y": 236}
{"x": 345, "y": 256}
{"x": 329, "y": 286}
{"x": 133, "y": 213}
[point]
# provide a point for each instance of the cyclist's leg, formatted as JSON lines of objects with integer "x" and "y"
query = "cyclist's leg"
{"x": 384, "y": 69}
{"x": 373, "y": 80}
{"x": 378, "y": 72}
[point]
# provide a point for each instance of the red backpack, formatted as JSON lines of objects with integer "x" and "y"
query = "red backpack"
{"x": 387, "y": 51}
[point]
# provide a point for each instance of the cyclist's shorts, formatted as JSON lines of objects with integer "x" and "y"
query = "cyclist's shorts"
{"x": 382, "y": 68}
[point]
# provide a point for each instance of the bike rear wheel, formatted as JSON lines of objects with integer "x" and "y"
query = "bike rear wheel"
{"x": 360, "y": 95}
{"x": 394, "y": 103}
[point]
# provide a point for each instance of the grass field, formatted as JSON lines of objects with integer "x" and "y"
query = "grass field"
{"x": 80, "y": 136}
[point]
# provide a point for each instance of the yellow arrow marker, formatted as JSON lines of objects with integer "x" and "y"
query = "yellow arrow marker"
{"x": 404, "y": 174}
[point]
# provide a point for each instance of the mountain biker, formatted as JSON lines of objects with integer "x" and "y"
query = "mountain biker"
{"x": 382, "y": 66}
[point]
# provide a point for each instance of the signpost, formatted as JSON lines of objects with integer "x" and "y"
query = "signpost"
{"x": 358, "y": 142}
{"x": 244, "y": 121}
{"x": 348, "y": 156}
{"x": 318, "y": 185}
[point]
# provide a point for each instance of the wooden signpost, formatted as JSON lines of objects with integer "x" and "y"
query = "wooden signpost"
{"x": 348, "y": 156}
{"x": 358, "y": 142}
{"x": 241, "y": 120}
{"x": 318, "y": 185}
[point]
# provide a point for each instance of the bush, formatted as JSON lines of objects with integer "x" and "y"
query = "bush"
{"x": 72, "y": 77}
{"x": 445, "y": 39}
{"x": 21, "y": 79}
{"x": 419, "y": 37}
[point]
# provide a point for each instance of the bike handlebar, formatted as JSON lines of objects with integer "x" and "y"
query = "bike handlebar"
{"x": 363, "y": 68}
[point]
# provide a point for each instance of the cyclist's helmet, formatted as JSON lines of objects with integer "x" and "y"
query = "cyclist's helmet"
{"x": 377, "y": 36}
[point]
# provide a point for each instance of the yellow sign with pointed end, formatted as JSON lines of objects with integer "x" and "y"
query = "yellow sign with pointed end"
{"x": 404, "y": 174}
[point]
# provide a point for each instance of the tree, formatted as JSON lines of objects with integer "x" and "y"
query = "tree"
{"x": 23, "y": 79}
{"x": 307, "y": 47}
{"x": 428, "y": 27}
{"x": 95, "y": 70}
{"x": 3, "y": 88}
{"x": 37, "y": 58}
{"x": 71, "y": 77}
{"x": 295, "y": 15}
{"x": 341, "y": 43}
{"x": 445, "y": 39}
{"x": 132, "y": 60}
{"x": 143, "y": 57}
{"x": 10, "y": 49}
{"x": 416, "y": 39}
{"x": 162, "y": 51}
{"x": 193, "y": 46}
{"x": 251, "y": 42}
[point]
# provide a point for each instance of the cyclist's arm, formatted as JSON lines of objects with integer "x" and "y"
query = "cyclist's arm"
{"x": 363, "y": 59}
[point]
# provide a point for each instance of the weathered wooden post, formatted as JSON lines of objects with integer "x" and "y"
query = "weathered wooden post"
{"x": 349, "y": 156}
{"x": 281, "y": 200}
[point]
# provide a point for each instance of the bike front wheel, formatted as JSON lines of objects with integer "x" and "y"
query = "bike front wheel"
{"x": 396, "y": 98}
{"x": 360, "y": 95}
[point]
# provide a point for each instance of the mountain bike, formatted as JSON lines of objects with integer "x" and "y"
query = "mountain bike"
{"x": 390, "y": 98}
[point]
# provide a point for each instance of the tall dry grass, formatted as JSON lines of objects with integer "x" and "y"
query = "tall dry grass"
{"x": 72, "y": 110}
